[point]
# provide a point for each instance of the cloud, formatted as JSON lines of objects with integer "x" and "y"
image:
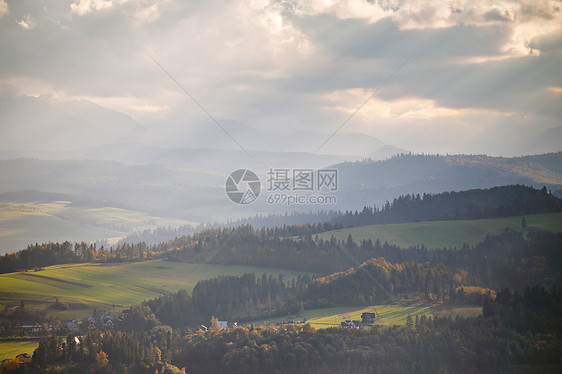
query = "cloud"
{"x": 27, "y": 22}
{"x": 148, "y": 13}
{"x": 130, "y": 105}
{"x": 406, "y": 108}
{"x": 83, "y": 7}
{"x": 526, "y": 19}
{"x": 348, "y": 9}
{"x": 3, "y": 8}
{"x": 285, "y": 65}
{"x": 140, "y": 10}
{"x": 26, "y": 86}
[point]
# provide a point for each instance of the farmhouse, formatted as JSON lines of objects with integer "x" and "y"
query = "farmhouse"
{"x": 71, "y": 325}
{"x": 37, "y": 328}
{"x": 350, "y": 324}
{"x": 368, "y": 317}
{"x": 53, "y": 326}
{"x": 28, "y": 328}
{"x": 289, "y": 322}
{"x": 108, "y": 322}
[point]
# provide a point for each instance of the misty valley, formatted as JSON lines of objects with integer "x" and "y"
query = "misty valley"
{"x": 282, "y": 187}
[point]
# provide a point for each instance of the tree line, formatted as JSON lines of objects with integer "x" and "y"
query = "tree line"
{"x": 504, "y": 201}
{"x": 37, "y": 256}
{"x": 233, "y": 298}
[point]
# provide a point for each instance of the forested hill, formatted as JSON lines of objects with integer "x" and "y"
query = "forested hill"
{"x": 277, "y": 246}
{"x": 504, "y": 201}
{"x": 376, "y": 181}
{"x": 509, "y": 260}
{"x": 472, "y": 204}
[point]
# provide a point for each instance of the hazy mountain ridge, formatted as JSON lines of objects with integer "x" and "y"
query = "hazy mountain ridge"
{"x": 81, "y": 129}
{"x": 374, "y": 182}
{"x": 191, "y": 193}
{"x": 154, "y": 188}
{"x": 217, "y": 160}
{"x": 30, "y": 123}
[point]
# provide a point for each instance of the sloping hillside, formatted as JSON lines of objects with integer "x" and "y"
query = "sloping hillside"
{"x": 374, "y": 182}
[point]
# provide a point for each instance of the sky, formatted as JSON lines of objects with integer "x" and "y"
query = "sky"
{"x": 447, "y": 76}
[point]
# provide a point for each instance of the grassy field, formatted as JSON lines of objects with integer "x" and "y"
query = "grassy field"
{"x": 389, "y": 315}
{"x": 88, "y": 286}
{"x": 12, "y": 348}
{"x": 439, "y": 234}
{"x": 332, "y": 317}
{"x": 25, "y": 223}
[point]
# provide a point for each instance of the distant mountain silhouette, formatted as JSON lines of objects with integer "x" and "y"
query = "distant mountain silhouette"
{"x": 189, "y": 192}
{"x": 374, "y": 182}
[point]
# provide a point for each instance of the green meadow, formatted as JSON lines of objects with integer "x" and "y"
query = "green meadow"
{"x": 11, "y": 348}
{"x": 439, "y": 234}
{"x": 25, "y": 223}
{"x": 389, "y": 314}
{"x": 110, "y": 287}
